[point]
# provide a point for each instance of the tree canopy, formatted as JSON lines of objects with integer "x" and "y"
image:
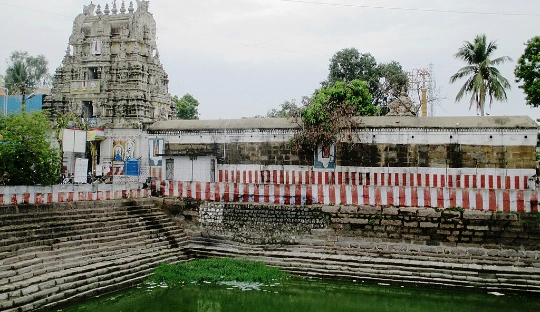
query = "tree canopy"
{"x": 483, "y": 78}
{"x": 330, "y": 111}
{"x": 26, "y": 152}
{"x": 384, "y": 81}
{"x": 528, "y": 71}
{"x": 187, "y": 107}
{"x": 287, "y": 109}
{"x": 25, "y": 73}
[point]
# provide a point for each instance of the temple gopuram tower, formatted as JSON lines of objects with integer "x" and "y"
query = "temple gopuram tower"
{"x": 110, "y": 84}
{"x": 111, "y": 72}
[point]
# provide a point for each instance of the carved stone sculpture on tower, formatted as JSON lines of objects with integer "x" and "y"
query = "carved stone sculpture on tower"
{"x": 402, "y": 106}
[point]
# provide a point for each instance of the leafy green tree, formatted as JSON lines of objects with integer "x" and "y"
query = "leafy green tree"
{"x": 186, "y": 107}
{"x": 287, "y": 109}
{"x": 330, "y": 111}
{"x": 483, "y": 78}
{"x": 26, "y": 152}
{"x": 25, "y": 73}
{"x": 384, "y": 81}
{"x": 528, "y": 71}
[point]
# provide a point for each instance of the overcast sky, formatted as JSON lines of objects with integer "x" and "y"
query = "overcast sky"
{"x": 241, "y": 58}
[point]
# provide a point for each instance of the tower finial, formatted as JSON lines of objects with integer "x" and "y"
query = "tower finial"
{"x": 107, "y": 11}
{"x": 98, "y": 10}
{"x": 131, "y": 9}
{"x": 123, "y": 8}
{"x": 114, "y": 9}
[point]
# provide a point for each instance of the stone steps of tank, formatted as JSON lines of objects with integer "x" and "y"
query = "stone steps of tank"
{"x": 404, "y": 252}
{"x": 52, "y": 235}
{"x": 60, "y": 230}
{"x": 405, "y": 273}
{"x": 95, "y": 240}
{"x": 321, "y": 264}
{"x": 33, "y": 263}
{"x": 84, "y": 282}
{"x": 66, "y": 259}
{"x": 171, "y": 234}
{"x": 19, "y": 221}
{"x": 114, "y": 253}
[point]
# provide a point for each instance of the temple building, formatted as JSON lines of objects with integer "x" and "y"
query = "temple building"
{"x": 112, "y": 81}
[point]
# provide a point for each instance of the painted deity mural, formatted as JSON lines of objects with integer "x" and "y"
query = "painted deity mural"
{"x": 122, "y": 150}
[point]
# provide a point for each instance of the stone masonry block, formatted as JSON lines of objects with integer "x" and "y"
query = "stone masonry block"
{"x": 408, "y": 211}
{"x": 478, "y": 227}
{"x": 391, "y": 211}
{"x": 448, "y": 214}
{"x": 391, "y": 222}
{"x": 348, "y": 209}
{"x": 330, "y": 209}
{"x": 429, "y": 213}
{"x": 366, "y": 210}
{"x": 410, "y": 224}
{"x": 477, "y": 215}
{"x": 505, "y": 216}
{"x": 429, "y": 225}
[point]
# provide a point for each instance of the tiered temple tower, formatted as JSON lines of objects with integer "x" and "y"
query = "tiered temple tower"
{"x": 111, "y": 73}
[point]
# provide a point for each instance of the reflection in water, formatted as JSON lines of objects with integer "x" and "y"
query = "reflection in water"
{"x": 302, "y": 295}
{"x": 208, "y": 306}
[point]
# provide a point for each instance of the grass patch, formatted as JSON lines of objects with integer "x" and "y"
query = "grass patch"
{"x": 217, "y": 270}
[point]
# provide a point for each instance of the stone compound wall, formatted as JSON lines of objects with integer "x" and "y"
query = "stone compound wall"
{"x": 262, "y": 223}
{"x": 436, "y": 142}
{"x": 437, "y": 156}
{"x": 370, "y": 154}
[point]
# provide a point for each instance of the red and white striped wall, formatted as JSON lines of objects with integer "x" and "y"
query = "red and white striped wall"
{"x": 156, "y": 172}
{"x": 399, "y": 196}
{"x": 68, "y": 193}
{"x": 512, "y": 179}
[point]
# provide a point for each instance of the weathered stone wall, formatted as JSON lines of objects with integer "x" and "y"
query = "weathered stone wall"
{"x": 260, "y": 224}
{"x": 454, "y": 227}
{"x": 370, "y": 155}
{"x": 245, "y": 153}
{"x": 437, "y": 155}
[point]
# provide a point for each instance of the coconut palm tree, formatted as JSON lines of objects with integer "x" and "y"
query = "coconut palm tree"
{"x": 25, "y": 73}
{"x": 483, "y": 78}
{"x": 18, "y": 79}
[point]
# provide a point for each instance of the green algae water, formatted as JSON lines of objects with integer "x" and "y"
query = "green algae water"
{"x": 301, "y": 295}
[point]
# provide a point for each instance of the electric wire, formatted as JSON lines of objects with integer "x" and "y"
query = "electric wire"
{"x": 362, "y": 6}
